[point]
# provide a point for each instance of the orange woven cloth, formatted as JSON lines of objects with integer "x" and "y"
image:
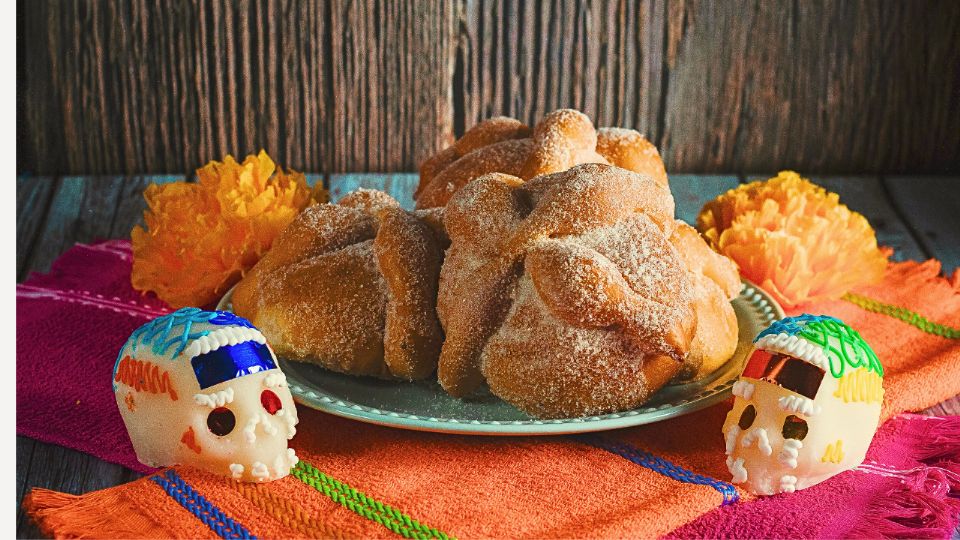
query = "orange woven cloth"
{"x": 485, "y": 487}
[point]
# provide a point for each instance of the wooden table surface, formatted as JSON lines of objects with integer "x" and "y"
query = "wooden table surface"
{"x": 918, "y": 216}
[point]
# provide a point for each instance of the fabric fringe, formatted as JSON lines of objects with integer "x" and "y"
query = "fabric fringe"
{"x": 939, "y": 439}
{"x": 903, "y": 513}
{"x": 101, "y": 514}
{"x": 926, "y": 503}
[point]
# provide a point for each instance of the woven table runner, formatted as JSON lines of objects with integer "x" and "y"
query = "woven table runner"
{"x": 370, "y": 481}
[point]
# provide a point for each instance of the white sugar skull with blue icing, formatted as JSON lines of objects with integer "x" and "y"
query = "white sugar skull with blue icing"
{"x": 806, "y": 405}
{"x": 202, "y": 388}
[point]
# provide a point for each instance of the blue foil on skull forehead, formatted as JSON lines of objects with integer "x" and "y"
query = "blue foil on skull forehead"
{"x": 231, "y": 362}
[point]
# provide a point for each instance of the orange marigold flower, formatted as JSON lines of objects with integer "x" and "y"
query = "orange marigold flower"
{"x": 200, "y": 238}
{"x": 794, "y": 239}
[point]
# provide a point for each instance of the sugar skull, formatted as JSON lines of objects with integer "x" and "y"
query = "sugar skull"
{"x": 806, "y": 405}
{"x": 202, "y": 388}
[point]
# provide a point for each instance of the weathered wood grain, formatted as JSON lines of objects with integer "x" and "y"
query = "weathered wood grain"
{"x": 82, "y": 208}
{"x": 25, "y": 448}
{"x": 392, "y": 65}
{"x": 930, "y": 207}
{"x": 69, "y": 471}
{"x": 525, "y": 59}
{"x": 950, "y": 407}
{"x": 130, "y": 205}
{"x": 51, "y": 240}
{"x": 374, "y": 85}
{"x": 34, "y": 195}
{"x": 835, "y": 87}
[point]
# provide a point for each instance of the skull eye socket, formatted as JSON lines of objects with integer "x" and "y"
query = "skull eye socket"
{"x": 221, "y": 421}
{"x": 794, "y": 427}
{"x": 747, "y": 417}
{"x": 270, "y": 401}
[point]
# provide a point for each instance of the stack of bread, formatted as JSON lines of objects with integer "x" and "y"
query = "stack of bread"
{"x": 544, "y": 263}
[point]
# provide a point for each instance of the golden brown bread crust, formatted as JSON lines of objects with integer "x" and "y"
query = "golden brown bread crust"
{"x": 486, "y": 133}
{"x": 561, "y": 139}
{"x": 506, "y": 157}
{"x": 351, "y": 287}
{"x": 409, "y": 259}
{"x": 629, "y": 149}
{"x": 327, "y": 310}
{"x": 715, "y": 283}
{"x": 564, "y": 293}
{"x": 433, "y": 218}
{"x": 300, "y": 241}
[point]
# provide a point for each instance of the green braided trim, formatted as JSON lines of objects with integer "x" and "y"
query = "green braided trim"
{"x": 365, "y": 506}
{"x": 910, "y": 317}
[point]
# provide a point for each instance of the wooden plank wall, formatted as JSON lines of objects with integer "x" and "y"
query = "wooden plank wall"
{"x": 333, "y": 86}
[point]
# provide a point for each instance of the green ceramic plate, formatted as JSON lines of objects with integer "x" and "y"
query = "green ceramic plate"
{"x": 425, "y": 406}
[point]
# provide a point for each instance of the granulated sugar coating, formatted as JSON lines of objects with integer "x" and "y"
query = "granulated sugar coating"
{"x": 369, "y": 200}
{"x": 486, "y": 133}
{"x": 561, "y": 139}
{"x": 629, "y": 150}
{"x": 551, "y": 369}
{"x": 715, "y": 283}
{"x": 564, "y": 293}
{"x": 351, "y": 287}
{"x": 505, "y": 156}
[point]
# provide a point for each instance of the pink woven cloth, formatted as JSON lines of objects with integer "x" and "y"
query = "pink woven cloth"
{"x": 72, "y": 321}
{"x": 70, "y": 324}
{"x": 921, "y": 453}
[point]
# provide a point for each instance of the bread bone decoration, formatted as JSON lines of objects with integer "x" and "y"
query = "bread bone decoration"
{"x": 567, "y": 294}
{"x": 562, "y": 139}
{"x": 807, "y": 405}
{"x": 202, "y": 388}
{"x": 352, "y": 287}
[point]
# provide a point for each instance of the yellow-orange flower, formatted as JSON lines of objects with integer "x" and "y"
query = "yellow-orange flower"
{"x": 201, "y": 237}
{"x": 794, "y": 239}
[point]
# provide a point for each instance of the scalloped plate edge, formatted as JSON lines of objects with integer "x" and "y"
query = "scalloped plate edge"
{"x": 765, "y": 309}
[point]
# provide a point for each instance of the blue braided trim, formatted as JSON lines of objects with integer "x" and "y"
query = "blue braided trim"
{"x": 664, "y": 467}
{"x": 209, "y": 514}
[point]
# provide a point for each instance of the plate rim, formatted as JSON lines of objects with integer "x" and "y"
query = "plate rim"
{"x": 770, "y": 310}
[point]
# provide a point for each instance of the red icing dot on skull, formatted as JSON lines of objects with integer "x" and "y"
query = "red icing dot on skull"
{"x": 221, "y": 421}
{"x": 270, "y": 401}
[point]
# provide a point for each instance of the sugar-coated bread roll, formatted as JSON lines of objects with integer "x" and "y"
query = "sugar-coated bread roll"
{"x": 352, "y": 287}
{"x": 562, "y": 139}
{"x": 564, "y": 293}
{"x": 715, "y": 283}
{"x": 629, "y": 149}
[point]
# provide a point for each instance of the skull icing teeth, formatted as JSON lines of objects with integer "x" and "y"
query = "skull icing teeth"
{"x": 207, "y": 393}
{"x": 805, "y": 407}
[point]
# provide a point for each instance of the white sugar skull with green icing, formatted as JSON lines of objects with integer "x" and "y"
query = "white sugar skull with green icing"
{"x": 202, "y": 388}
{"x": 806, "y": 405}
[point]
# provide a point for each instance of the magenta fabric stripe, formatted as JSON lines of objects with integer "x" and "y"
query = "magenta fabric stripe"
{"x": 922, "y": 500}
